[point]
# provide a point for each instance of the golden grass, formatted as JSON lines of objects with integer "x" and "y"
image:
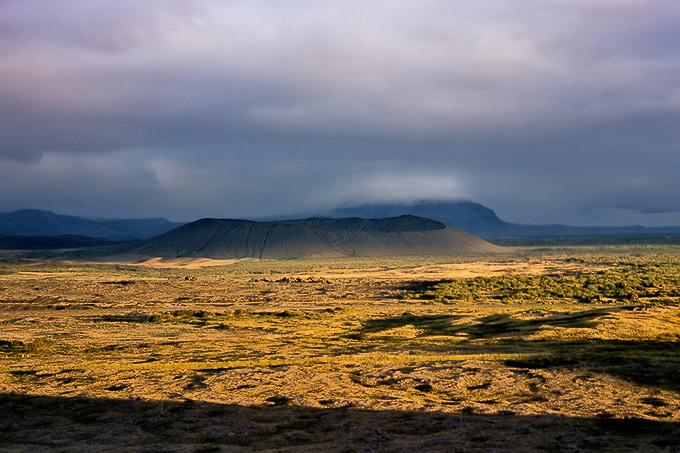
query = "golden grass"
{"x": 337, "y": 333}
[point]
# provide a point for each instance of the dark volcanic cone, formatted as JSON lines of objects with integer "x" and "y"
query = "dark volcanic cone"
{"x": 314, "y": 237}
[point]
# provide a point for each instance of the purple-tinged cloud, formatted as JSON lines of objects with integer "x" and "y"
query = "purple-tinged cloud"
{"x": 561, "y": 111}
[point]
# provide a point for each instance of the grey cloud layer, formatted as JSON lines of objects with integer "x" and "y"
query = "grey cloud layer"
{"x": 547, "y": 111}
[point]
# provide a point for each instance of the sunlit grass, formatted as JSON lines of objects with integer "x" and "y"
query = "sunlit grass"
{"x": 531, "y": 332}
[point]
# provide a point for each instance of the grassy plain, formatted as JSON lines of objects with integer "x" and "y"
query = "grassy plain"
{"x": 550, "y": 349}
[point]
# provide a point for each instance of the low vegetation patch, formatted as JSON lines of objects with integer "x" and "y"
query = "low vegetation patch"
{"x": 198, "y": 317}
{"x": 204, "y": 318}
{"x": 625, "y": 281}
{"x": 20, "y": 347}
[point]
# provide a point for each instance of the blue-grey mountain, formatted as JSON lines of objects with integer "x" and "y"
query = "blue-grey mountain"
{"x": 35, "y": 222}
{"x": 481, "y": 221}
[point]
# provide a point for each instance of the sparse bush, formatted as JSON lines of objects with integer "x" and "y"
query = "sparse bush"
{"x": 630, "y": 281}
{"x": 19, "y": 347}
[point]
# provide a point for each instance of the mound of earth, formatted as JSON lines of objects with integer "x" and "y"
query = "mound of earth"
{"x": 313, "y": 237}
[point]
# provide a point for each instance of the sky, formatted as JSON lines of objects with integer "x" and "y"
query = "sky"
{"x": 547, "y": 111}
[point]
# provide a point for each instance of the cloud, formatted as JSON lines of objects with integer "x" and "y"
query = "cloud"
{"x": 401, "y": 187}
{"x": 543, "y": 109}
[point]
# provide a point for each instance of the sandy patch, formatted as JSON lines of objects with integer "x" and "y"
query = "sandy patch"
{"x": 186, "y": 263}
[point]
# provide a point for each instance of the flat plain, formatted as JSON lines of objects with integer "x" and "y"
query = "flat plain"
{"x": 534, "y": 349}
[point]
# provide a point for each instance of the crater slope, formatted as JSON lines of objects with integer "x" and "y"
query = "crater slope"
{"x": 309, "y": 238}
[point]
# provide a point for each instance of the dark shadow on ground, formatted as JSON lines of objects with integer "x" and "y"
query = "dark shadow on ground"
{"x": 38, "y": 423}
{"x": 486, "y": 327}
{"x": 643, "y": 362}
{"x": 646, "y": 363}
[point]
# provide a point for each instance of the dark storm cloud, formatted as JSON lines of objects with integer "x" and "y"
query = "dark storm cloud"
{"x": 563, "y": 111}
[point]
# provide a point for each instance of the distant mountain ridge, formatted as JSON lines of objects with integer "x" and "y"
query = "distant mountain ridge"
{"x": 467, "y": 216}
{"x": 481, "y": 221}
{"x": 35, "y": 222}
{"x": 307, "y": 238}
{"x": 470, "y": 217}
{"x": 51, "y": 242}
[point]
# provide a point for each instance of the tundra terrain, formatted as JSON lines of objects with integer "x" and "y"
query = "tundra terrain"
{"x": 567, "y": 349}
